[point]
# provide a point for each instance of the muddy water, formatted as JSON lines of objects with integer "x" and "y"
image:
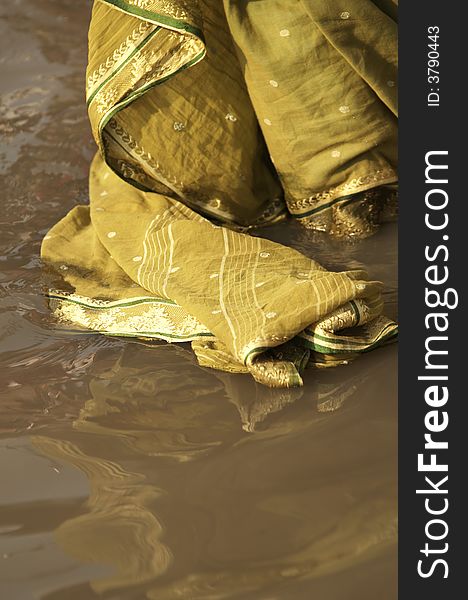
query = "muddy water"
{"x": 127, "y": 471}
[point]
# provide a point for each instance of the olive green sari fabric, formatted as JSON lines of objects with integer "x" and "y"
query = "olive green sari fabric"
{"x": 212, "y": 119}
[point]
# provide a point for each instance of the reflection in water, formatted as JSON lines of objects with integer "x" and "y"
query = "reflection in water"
{"x": 119, "y": 529}
{"x": 254, "y": 401}
{"x": 163, "y": 527}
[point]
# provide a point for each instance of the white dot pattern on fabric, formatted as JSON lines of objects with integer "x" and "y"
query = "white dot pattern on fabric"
{"x": 64, "y": 267}
{"x": 360, "y": 286}
{"x": 174, "y": 269}
{"x": 270, "y": 315}
{"x": 344, "y": 109}
{"x": 273, "y": 83}
{"x": 137, "y": 258}
{"x": 259, "y": 284}
{"x": 390, "y": 83}
{"x": 111, "y": 234}
{"x": 47, "y": 237}
{"x": 345, "y": 15}
{"x": 99, "y": 209}
{"x": 215, "y": 312}
{"x": 336, "y": 153}
{"x": 267, "y": 121}
{"x": 214, "y": 275}
{"x": 104, "y": 193}
{"x": 264, "y": 254}
{"x": 285, "y": 33}
{"x": 231, "y": 117}
{"x": 178, "y": 126}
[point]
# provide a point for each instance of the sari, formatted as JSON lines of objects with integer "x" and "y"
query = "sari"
{"x": 211, "y": 119}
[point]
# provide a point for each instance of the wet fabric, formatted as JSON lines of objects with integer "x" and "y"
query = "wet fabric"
{"x": 210, "y": 120}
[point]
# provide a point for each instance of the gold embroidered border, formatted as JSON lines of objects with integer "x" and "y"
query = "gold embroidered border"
{"x": 118, "y": 56}
{"x": 358, "y": 184}
{"x": 147, "y": 317}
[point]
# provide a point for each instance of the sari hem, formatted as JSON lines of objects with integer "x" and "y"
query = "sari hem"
{"x": 138, "y": 317}
{"x": 339, "y": 193}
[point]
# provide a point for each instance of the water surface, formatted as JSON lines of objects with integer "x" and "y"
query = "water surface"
{"x": 129, "y": 472}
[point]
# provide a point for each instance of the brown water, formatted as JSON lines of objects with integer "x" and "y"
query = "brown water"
{"x": 126, "y": 470}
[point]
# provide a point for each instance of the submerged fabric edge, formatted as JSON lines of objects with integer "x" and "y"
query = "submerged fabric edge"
{"x": 106, "y": 317}
{"x": 85, "y": 312}
{"x": 341, "y": 193}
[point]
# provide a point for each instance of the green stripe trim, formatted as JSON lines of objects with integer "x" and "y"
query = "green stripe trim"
{"x": 159, "y": 335}
{"x": 382, "y": 339}
{"x": 387, "y": 333}
{"x": 156, "y": 18}
{"x": 114, "y": 305}
{"x": 122, "y": 65}
{"x": 334, "y": 351}
{"x": 337, "y": 340}
{"x": 333, "y": 339}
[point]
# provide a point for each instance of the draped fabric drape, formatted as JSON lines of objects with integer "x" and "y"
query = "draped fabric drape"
{"x": 213, "y": 118}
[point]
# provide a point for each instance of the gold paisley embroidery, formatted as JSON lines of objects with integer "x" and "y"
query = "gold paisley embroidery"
{"x": 351, "y": 187}
{"x": 370, "y": 335}
{"x": 118, "y": 56}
